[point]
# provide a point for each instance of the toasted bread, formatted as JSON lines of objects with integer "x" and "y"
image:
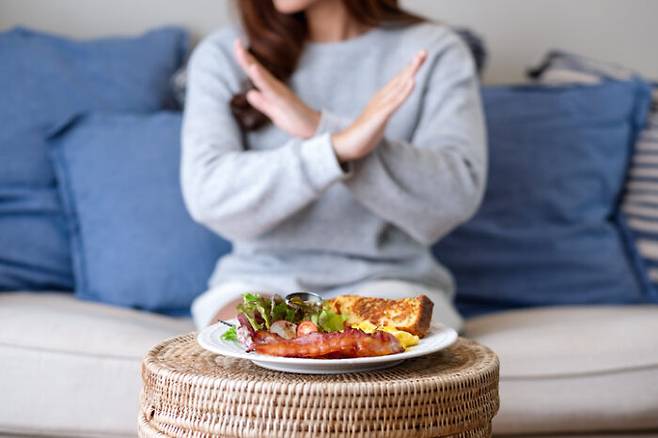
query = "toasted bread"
{"x": 412, "y": 315}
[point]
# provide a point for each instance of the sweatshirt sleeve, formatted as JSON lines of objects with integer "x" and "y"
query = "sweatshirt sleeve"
{"x": 436, "y": 181}
{"x": 331, "y": 123}
{"x": 240, "y": 193}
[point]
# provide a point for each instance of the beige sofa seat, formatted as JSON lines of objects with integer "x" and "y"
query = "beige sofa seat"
{"x": 71, "y": 368}
{"x": 574, "y": 369}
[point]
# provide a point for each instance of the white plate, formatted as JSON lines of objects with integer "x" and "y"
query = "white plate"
{"x": 438, "y": 338}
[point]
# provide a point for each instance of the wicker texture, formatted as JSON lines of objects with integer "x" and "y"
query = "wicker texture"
{"x": 194, "y": 393}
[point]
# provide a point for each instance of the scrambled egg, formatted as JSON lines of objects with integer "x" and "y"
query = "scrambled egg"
{"x": 406, "y": 339}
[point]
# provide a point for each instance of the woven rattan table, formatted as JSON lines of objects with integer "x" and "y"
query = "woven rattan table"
{"x": 190, "y": 392}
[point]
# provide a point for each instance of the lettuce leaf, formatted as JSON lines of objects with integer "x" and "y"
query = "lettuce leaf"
{"x": 230, "y": 335}
{"x": 262, "y": 311}
{"x": 329, "y": 321}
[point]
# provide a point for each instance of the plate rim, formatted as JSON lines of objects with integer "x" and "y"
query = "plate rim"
{"x": 203, "y": 337}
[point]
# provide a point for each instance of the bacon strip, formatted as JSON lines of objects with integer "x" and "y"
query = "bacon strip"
{"x": 339, "y": 345}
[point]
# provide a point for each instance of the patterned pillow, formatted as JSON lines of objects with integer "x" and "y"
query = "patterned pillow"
{"x": 640, "y": 202}
{"x": 640, "y": 198}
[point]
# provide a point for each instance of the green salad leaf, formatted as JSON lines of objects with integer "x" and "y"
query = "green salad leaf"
{"x": 230, "y": 335}
{"x": 280, "y": 310}
{"x": 329, "y": 321}
{"x": 262, "y": 311}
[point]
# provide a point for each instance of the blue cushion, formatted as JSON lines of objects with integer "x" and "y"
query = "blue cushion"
{"x": 133, "y": 241}
{"x": 548, "y": 231}
{"x": 639, "y": 201}
{"x": 46, "y": 81}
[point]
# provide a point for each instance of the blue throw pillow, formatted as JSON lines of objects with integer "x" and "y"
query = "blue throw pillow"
{"x": 639, "y": 202}
{"x": 548, "y": 231}
{"x": 133, "y": 242}
{"x": 45, "y": 82}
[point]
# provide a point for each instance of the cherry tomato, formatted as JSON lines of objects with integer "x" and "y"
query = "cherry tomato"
{"x": 306, "y": 327}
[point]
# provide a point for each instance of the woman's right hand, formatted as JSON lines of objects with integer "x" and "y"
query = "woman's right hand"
{"x": 275, "y": 99}
{"x": 362, "y": 136}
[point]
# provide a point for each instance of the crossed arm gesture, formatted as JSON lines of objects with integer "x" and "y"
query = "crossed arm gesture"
{"x": 290, "y": 114}
{"x": 425, "y": 188}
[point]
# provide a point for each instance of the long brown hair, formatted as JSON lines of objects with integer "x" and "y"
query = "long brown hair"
{"x": 277, "y": 41}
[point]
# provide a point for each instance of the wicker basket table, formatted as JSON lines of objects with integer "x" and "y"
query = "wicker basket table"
{"x": 190, "y": 392}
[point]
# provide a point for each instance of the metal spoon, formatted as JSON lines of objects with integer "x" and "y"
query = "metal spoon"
{"x": 309, "y": 297}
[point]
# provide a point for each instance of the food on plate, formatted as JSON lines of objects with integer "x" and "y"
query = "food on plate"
{"x": 337, "y": 345}
{"x": 306, "y": 328}
{"x": 285, "y": 329}
{"x": 406, "y": 339}
{"x": 411, "y": 315}
{"x": 343, "y": 327}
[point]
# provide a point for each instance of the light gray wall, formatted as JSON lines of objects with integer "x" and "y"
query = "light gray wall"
{"x": 518, "y": 32}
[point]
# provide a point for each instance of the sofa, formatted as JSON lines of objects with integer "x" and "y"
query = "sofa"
{"x": 564, "y": 370}
{"x": 99, "y": 260}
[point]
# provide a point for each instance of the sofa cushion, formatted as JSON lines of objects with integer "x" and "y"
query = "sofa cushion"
{"x": 640, "y": 198}
{"x": 46, "y": 80}
{"x": 574, "y": 369}
{"x": 548, "y": 232}
{"x": 71, "y": 368}
{"x": 133, "y": 241}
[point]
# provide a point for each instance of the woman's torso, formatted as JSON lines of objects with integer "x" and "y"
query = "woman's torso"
{"x": 336, "y": 241}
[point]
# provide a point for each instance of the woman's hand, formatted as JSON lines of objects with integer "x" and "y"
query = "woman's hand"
{"x": 362, "y": 136}
{"x": 274, "y": 99}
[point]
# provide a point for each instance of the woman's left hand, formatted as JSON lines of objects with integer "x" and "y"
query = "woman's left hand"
{"x": 364, "y": 135}
{"x": 274, "y": 99}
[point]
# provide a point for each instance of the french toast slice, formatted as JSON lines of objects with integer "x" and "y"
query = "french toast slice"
{"x": 411, "y": 315}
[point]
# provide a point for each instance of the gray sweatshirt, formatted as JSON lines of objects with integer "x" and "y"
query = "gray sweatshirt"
{"x": 296, "y": 219}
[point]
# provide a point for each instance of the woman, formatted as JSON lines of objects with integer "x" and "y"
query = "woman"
{"x": 333, "y": 152}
